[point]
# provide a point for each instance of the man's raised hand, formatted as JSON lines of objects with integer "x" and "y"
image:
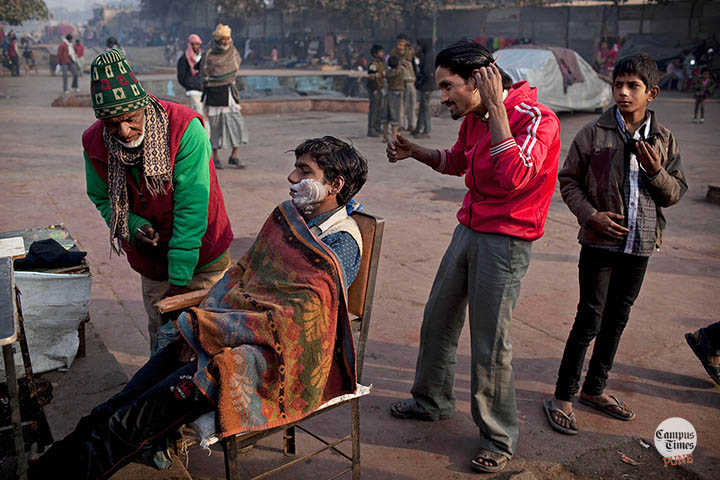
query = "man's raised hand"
{"x": 488, "y": 81}
{"x": 398, "y": 149}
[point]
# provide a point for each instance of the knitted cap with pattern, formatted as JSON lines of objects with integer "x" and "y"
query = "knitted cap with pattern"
{"x": 113, "y": 87}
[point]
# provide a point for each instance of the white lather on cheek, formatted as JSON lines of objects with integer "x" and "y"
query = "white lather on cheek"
{"x": 307, "y": 193}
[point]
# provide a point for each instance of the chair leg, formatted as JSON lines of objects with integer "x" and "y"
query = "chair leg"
{"x": 232, "y": 469}
{"x": 289, "y": 441}
{"x": 356, "y": 439}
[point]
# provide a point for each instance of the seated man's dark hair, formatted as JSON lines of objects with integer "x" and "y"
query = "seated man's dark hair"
{"x": 393, "y": 61}
{"x": 402, "y": 36}
{"x": 375, "y": 48}
{"x": 640, "y": 64}
{"x": 463, "y": 57}
{"x": 337, "y": 158}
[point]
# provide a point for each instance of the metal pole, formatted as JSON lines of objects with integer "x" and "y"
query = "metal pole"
{"x": 15, "y": 411}
{"x": 434, "y": 25}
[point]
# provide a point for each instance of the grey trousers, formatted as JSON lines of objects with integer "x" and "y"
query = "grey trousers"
{"x": 409, "y": 117}
{"x": 483, "y": 272}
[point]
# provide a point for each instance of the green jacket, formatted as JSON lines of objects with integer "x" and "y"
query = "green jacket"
{"x": 191, "y": 187}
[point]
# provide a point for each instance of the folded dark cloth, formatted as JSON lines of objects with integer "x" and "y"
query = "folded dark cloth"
{"x": 48, "y": 254}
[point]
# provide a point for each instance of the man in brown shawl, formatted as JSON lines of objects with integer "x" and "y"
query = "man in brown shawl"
{"x": 220, "y": 68}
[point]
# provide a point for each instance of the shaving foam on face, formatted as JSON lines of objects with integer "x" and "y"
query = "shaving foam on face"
{"x": 307, "y": 193}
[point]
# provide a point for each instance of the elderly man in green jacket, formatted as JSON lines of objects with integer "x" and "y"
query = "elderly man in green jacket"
{"x": 150, "y": 173}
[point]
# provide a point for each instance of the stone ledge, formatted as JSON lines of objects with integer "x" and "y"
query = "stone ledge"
{"x": 256, "y": 107}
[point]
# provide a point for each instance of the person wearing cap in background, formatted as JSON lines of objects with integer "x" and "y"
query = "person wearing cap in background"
{"x": 219, "y": 68}
{"x": 188, "y": 71}
{"x": 149, "y": 172}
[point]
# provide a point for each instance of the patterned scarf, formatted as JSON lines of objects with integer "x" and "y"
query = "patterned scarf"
{"x": 154, "y": 156}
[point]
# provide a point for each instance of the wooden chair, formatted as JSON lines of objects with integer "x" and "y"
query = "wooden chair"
{"x": 360, "y": 303}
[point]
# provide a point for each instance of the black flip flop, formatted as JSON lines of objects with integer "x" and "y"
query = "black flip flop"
{"x": 606, "y": 408}
{"x": 712, "y": 370}
{"x": 549, "y": 410}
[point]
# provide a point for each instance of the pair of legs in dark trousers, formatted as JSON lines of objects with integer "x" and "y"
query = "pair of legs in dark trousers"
{"x": 609, "y": 284}
{"x": 375, "y": 113}
{"x": 424, "y": 113}
{"x": 159, "y": 398}
{"x": 700, "y": 106}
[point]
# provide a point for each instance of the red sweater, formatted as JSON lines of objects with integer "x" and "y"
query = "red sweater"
{"x": 63, "y": 54}
{"x": 159, "y": 209}
{"x": 510, "y": 184}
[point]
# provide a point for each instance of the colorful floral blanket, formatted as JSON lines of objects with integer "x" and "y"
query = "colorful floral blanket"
{"x": 273, "y": 337}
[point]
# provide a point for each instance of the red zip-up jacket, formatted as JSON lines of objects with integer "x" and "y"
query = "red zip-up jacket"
{"x": 510, "y": 184}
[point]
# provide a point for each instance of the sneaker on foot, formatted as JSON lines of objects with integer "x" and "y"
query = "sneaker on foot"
{"x": 695, "y": 120}
{"x": 702, "y": 120}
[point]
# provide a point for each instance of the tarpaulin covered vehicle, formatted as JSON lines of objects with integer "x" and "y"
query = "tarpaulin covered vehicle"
{"x": 564, "y": 81}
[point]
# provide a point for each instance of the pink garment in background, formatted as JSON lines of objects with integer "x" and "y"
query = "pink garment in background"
{"x": 190, "y": 54}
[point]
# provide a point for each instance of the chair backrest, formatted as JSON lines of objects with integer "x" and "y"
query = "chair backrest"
{"x": 362, "y": 291}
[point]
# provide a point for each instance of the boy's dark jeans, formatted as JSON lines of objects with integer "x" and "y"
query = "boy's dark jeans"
{"x": 609, "y": 284}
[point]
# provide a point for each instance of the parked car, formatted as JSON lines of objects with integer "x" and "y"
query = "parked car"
{"x": 581, "y": 89}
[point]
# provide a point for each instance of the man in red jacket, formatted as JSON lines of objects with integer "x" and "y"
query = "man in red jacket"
{"x": 67, "y": 59}
{"x": 508, "y": 149}
{"x": 149, "y": 171}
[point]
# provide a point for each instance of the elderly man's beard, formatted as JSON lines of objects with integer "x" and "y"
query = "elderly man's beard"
{"x": 134, "y": 143}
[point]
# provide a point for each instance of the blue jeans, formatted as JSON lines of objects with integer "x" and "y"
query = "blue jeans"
{"x": 609, "y": 285}
{"x": 479, "y": 272}
{"x": 158, "y": 399}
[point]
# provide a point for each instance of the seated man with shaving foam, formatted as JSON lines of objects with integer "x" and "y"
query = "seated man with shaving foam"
{"x": 269, "y": 344}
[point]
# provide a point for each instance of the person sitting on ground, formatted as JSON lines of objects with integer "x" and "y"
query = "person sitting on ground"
{"x": 621, "y": 170}
{"x": 270, "y": 343}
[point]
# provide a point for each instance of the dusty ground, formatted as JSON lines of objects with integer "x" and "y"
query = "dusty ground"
{"x": 42, "y": 182}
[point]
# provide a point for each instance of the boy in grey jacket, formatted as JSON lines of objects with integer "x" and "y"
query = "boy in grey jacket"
{"x": 620, "y": 171}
